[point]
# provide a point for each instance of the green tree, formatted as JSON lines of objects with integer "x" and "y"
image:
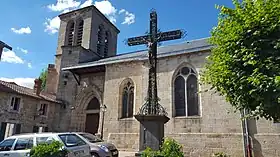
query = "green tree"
{"x": 244, "y": 65}
{"x": 43, "y": 77}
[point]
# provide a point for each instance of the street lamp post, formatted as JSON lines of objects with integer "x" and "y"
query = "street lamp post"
{"x": 103, "y": 109}
{"x": 2, "y": 46}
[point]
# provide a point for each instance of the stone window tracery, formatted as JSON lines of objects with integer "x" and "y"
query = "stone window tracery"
{"x": 186, "y": 93}
{"x": 127, "y": 100}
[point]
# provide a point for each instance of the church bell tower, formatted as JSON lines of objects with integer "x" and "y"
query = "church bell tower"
{"x": 84, "y": 35}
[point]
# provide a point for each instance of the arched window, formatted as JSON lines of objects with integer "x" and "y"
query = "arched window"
{"x": 70, "y": 33}
{"x": 80, "y": 32}
{"x": 127, "y": 100}
{"x": 99, "y": 39}
{"x": 186, "y": 93}
{"x": 106, "y": 44}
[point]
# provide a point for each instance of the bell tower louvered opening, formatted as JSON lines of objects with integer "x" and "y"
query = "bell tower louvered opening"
{"x": 70, "y": 33}
{"x": 80, "y": 32}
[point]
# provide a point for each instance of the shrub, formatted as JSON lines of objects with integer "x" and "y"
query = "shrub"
{"x": 219, "y": 154}
{"x": 148, "y": 152}
{"x": 169, "y": 148}
{"x": 54, "y": 149}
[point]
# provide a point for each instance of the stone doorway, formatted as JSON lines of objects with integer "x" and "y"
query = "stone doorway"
{"x": 92, "y": 116}
{"x": 9, "y": 129}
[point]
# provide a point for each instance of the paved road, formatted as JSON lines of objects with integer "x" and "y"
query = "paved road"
{"x": 126, "y": 154}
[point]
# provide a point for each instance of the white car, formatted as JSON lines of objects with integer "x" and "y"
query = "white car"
{"x": 20, "y": 145}
{"x": 98, "y": 147}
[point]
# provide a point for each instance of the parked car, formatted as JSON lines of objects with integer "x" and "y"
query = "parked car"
{"x": 98, "y": 147}
{"x": 20, "y": 145}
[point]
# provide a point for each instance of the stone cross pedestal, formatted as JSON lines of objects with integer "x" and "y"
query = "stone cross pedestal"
{"x": 152, "y": 116}
{"x": 151, "y": 131}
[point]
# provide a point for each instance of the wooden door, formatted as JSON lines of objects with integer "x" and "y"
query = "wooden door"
{"x": 2, "y": 131}
{"x": 92, "y": 123}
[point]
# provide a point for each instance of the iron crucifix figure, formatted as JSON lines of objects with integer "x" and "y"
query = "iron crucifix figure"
{"x": 151, "y": 106}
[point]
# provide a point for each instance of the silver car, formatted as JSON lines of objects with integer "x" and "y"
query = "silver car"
{"x": 20, "y": 145}
{"x": 98, "y": 147}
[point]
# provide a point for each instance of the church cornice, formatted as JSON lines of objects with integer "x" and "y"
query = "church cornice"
{"x": 74, "y": 13}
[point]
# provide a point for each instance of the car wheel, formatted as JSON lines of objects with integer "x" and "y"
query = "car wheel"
{"x": 94, "y": 155}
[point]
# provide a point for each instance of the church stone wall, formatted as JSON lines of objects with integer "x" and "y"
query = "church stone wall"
{"x": 60, "y": 42}
{"x": 91, "y": 86}
{"x": 67, "y": 85}
{"x": 217, "y": 129}
{"x": 123, "y": 131}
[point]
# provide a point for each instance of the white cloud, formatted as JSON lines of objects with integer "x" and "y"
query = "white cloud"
{"x": 11, "y": 57}
{"x": 86, "y": 3}
{"x": 23, "y": 30}
{"x": 29, "y": 65}
{"x": 26, "y": 82}
{"x": 66, "y": 10}
{"x": 22, "y": 50}
{"x": 104, "y": 6}
{"x": 52, "y": 25}
{"x": 129, "y": 17}
{"x": 107, "y": 8}
{"x": 121, "y": 11}
{"x": 63, "y": 4}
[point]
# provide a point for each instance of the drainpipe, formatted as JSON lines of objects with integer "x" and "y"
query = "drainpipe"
{"x": 246, "y": 135}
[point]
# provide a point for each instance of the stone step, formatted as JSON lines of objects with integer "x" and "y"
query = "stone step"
{"x": 126, "y": 154}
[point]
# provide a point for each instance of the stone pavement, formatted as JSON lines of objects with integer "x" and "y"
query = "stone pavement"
{"x": 126, "y": 154}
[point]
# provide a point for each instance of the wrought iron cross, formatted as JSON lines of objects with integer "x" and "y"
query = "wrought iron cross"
{"x": 2, "y": 46}
{"x": 151, "y": 106}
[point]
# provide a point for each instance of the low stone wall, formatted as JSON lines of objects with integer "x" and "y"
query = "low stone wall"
{"x": 205, "y": 144}
{"x": 125, "y": 141}
{"x": 266, "y": 145}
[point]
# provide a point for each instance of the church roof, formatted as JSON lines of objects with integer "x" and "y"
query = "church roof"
{"x": 11, "y": 87}
{"x": 164, "y": 51}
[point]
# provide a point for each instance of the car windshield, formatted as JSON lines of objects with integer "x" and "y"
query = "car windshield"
{"x": 91, "y": 138}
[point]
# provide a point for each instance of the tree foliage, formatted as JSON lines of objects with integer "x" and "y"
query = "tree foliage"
{"x": 43, "y": 77}
{"x": 244, "y": 64}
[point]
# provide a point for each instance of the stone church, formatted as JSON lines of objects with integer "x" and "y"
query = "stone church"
{"x": 102, "y": 90}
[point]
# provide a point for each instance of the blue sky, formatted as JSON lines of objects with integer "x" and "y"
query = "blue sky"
{"x": 30, "y": 27}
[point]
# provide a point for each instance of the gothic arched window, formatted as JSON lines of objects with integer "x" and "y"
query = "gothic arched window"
{"x": 70, "y": 33}
{"x": 80, "y": 32}
{"x": 106, "y": 44}
{"x": 127, "y": 100}
{"x": 99, "y": 39}
{"x": 186, "y": 93}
